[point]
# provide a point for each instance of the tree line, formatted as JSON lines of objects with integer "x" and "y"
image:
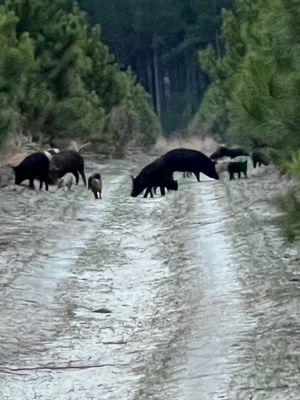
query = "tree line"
{"x": 160, "y": 41}
{"x": 58, "y": 79}
{"x": 254, "y": 97}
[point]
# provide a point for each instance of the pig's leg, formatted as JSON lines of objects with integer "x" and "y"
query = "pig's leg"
{"x": 197, "y": 174}
{"x": 162, "y": 190}
{"x": 81, "y": 171}
{"x": 148, "y": 191}
{"x": 75, "y": 173}
{"x": 31, "y": 184}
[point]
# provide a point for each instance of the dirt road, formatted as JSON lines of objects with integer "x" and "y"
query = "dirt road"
{"x": 194, "y": 296}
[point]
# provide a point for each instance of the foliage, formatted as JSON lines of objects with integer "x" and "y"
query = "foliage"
{"x": 133, "y": 120}
{"x": 254, "y": 97}
{"x": 293, "y": 164}
{"x": 58, "y": 79}
{"x": 291, "y": 206}
{"x": 255, "y": 90}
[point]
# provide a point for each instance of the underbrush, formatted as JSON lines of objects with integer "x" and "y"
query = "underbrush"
{"x": 291, "y": 202}
{"x": 291, "y": 206}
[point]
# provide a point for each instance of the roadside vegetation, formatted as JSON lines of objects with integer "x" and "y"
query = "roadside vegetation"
{"x": 58, "y": 80}
{"x": 254, "y": 96}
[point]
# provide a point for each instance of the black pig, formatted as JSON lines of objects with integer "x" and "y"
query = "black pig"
{"x": 35, "y": 166}
{"x": 259, "y": 159}
{"x": 155, "y": 174}
{"x": 186, "y": 160}
{"x": 225, "y": 152}
{"x": 67, "y": 161}
{"x": 237, "y": 167}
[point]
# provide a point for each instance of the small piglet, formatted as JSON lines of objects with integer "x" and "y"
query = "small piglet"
{"x": 66, "y": 182}
{"x": 95, "y": 184}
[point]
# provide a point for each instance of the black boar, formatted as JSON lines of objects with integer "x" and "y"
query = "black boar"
{"x": 35, "y": 166}
{"x": 225, "y": 152}
{"x": 66, "y": 161}
{"x": 186, "y": 160}
{"x": 237, "y": 167}
{"x": 155, "y": 174}
{"x": 95, "y": 185}
{"x": 259, "y": 159}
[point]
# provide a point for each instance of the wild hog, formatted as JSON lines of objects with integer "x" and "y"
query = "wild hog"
{"x": 66, "y": 161}
{"x": 35, "y": 166}
{"x": 259, "y": 159}
{"x": 187, "y": 160}
{"x": 225, "y": 152}
{"x": 95, "y": 185}
{"x": 155, "y": 174}
{"x": 66, "y": 182}
{"x": 239, "y": 166}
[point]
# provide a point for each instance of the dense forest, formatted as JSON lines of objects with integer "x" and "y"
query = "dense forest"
{"x": 159, "y": 40}
{"x": 58, "y": 79}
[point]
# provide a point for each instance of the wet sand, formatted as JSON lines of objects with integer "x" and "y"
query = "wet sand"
{"x": 193, "y": 296}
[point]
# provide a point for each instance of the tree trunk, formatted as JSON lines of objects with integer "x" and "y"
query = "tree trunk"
{"x": 156, "y": 78}
{"x": 149, "y": 86}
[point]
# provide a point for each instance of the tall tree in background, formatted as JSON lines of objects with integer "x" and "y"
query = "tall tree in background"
{"x": 160, "y": 40}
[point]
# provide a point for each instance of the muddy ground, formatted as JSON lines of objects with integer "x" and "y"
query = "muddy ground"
{"x": 193, "y": 296}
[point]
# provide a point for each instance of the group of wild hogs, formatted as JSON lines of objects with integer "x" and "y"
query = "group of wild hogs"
{"x": 51, "y": 167}
{"x": 159, "y": 173}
